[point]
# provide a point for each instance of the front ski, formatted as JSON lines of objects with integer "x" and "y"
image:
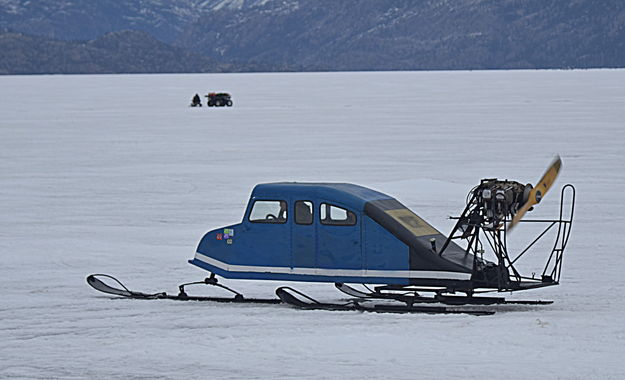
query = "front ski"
{"x": 300, "y": 300}
{"x": 101, "y": 286}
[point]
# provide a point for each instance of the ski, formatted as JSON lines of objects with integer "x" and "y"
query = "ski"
{"x": 96, "y": 283}
{"x": 408, "y": 297}
{"x": 300, "y": 300}
{"x": 414, "y": 297}
{"x": 287, "y": 295}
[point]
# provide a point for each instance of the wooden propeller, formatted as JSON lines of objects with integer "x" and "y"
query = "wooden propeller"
{"x": 539, "y": 191}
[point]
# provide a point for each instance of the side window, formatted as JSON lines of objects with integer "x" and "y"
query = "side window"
{"x": 336, "y": 216}
{"x": 268, "y": 212}
{"x": 303, "y": 212}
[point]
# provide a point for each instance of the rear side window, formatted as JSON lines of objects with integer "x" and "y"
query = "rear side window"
{"x": 268, "y": 212}
{"x": 336, "y": 216}
{"x": 303, "y": 212}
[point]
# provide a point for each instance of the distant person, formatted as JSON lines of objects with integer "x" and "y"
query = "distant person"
{"x": 196, "y": 101}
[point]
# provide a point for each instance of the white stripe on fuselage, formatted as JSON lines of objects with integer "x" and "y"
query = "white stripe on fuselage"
{"x": 334, "y": 272}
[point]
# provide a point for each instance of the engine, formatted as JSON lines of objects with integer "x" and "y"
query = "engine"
{"x": 493, "y": 201}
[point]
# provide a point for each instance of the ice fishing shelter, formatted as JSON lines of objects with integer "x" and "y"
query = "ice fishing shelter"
{"x": 332, "y": 232}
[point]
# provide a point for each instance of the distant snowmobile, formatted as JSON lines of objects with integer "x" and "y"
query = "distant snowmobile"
{"x": 344, "y": 233}
{"x": 219, "y": 99}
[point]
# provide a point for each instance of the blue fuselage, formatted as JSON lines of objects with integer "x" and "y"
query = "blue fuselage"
{"x": 338, "y": 240}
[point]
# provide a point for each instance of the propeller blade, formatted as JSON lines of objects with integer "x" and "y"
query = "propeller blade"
{"x": 539, "y": 191}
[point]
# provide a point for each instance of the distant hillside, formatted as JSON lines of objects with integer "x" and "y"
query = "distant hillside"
{"x": 406, "y": 34}
{"x": 117, "y": 52}
{"x": 89, "y": 19}
{"x": 277, "y": 35}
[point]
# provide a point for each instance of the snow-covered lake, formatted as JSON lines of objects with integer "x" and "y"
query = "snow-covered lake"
{"x": 116, "y": 174}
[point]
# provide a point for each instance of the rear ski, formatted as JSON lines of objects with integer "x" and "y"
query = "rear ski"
{"x": 300, "y": 300}
{"x": 412, "y": 297}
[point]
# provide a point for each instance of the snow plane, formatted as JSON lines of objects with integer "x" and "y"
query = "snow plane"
{"x": 344, "y": 233}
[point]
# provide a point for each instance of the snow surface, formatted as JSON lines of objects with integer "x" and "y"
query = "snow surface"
{"x": 116, "y": 174}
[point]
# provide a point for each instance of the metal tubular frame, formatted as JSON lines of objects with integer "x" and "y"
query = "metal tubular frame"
{"x": 508, "y": 278}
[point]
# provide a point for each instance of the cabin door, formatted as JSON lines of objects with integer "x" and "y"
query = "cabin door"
{"x": 265, "y": 240}
{"x": 338, "y": 238}
{"x": 303, "y": 232}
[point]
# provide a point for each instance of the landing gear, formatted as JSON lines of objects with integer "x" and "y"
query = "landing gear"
{"x": 362, "y": 301}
